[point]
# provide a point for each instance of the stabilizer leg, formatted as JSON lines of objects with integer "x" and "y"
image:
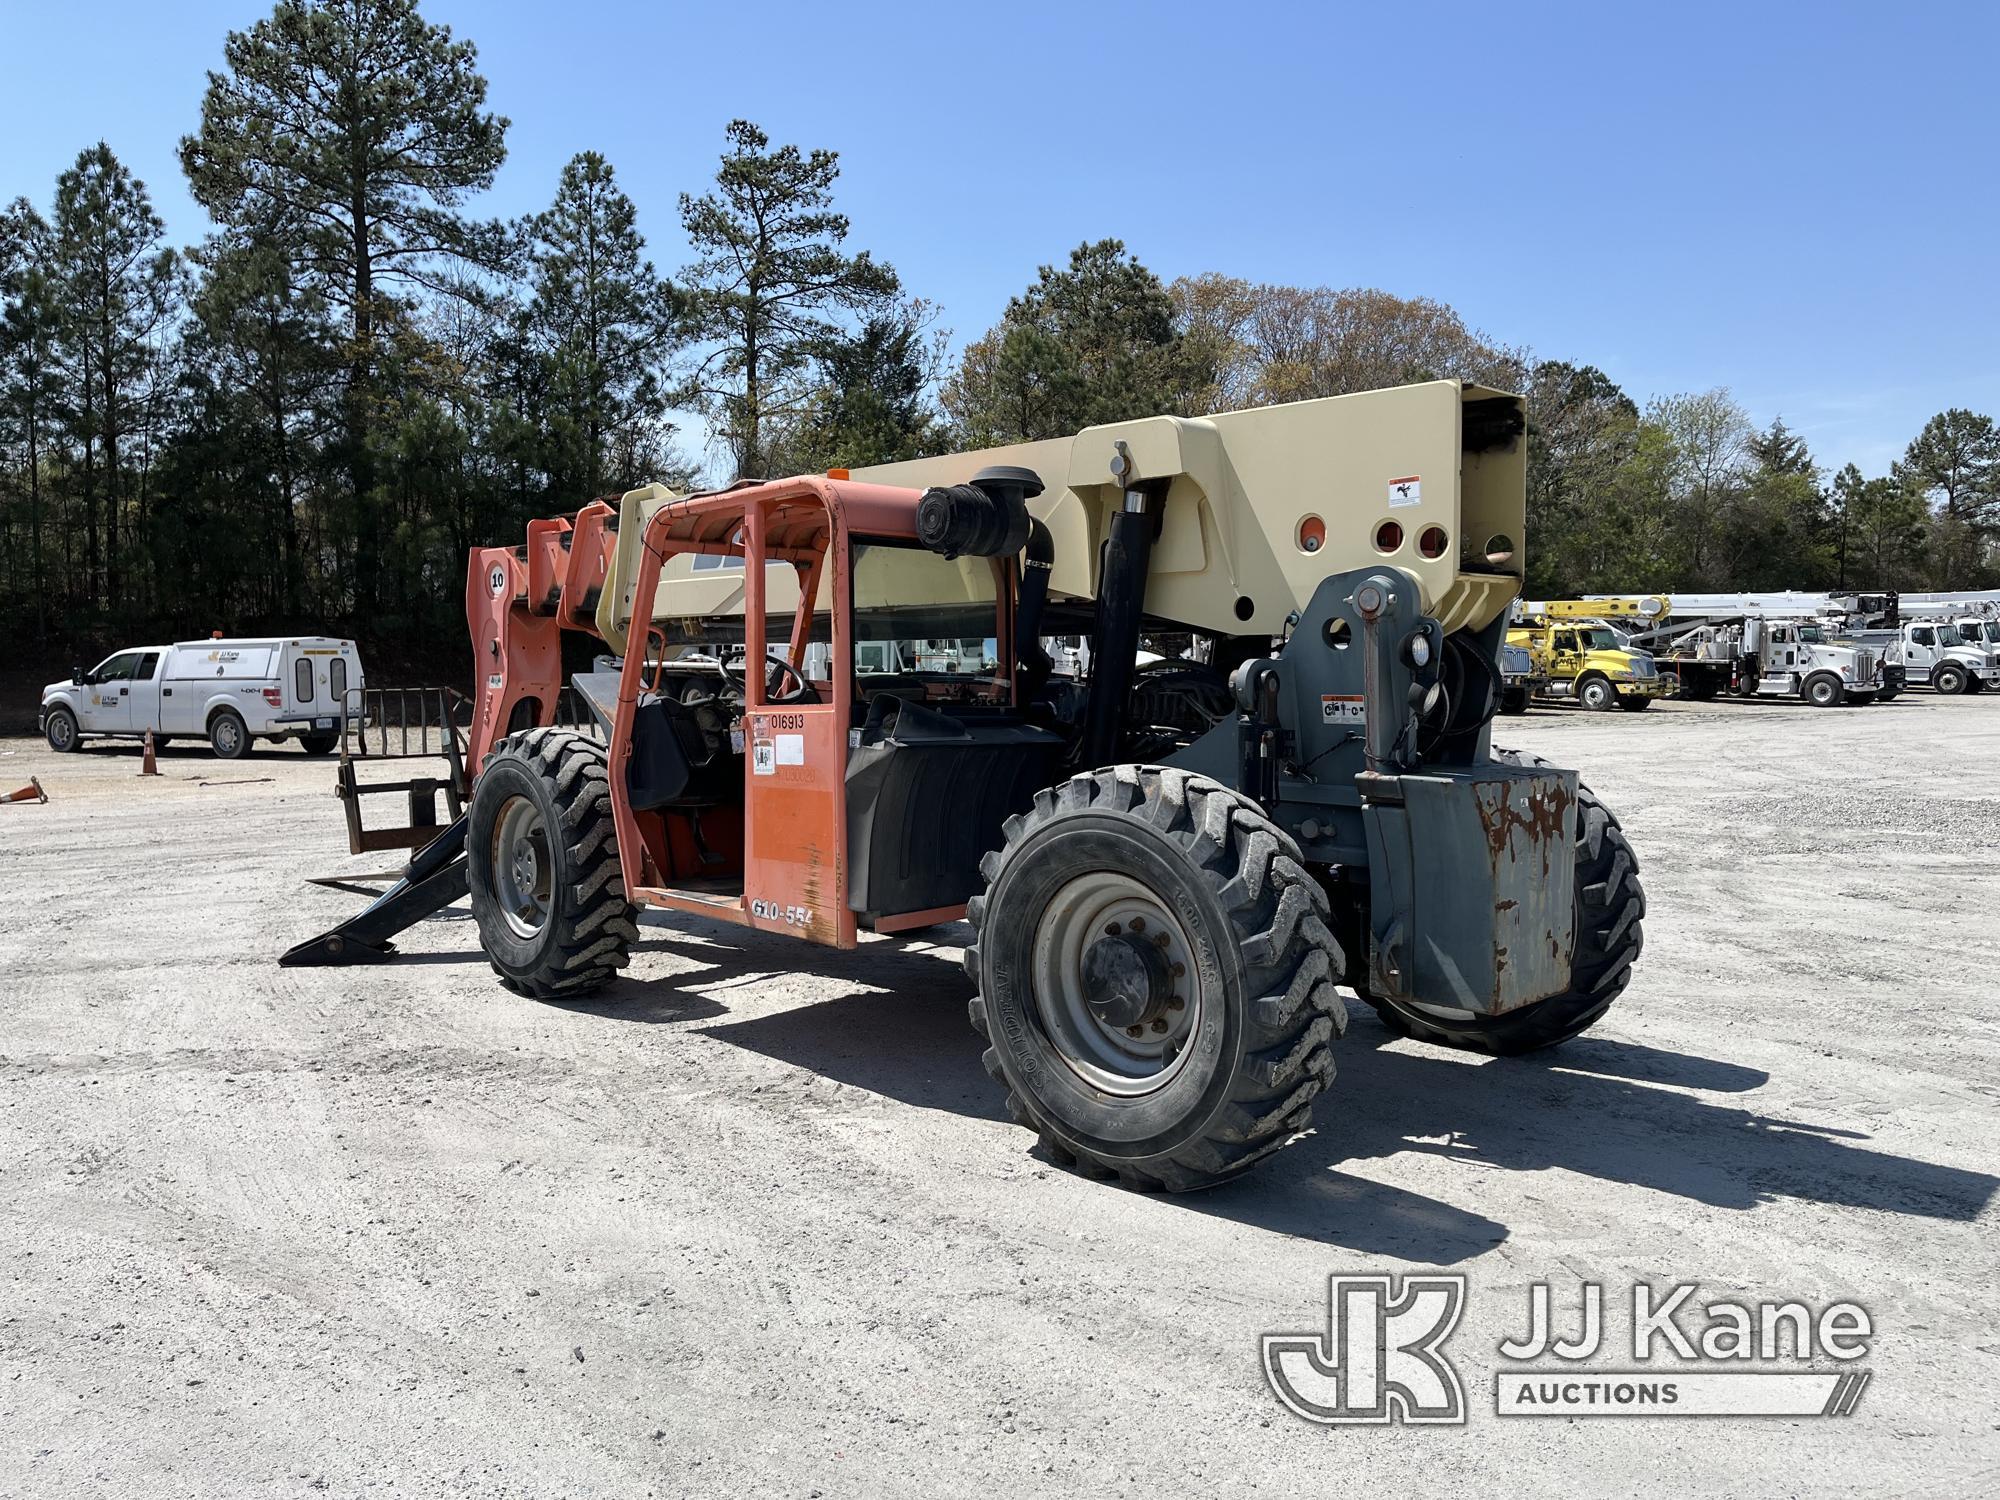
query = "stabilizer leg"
{"x": 431, "y": 881}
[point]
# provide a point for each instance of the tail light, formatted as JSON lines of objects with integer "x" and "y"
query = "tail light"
{"x": 275, "y": 697}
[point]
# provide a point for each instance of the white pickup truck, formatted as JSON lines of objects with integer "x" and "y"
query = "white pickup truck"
{"x": 229, "y": 693}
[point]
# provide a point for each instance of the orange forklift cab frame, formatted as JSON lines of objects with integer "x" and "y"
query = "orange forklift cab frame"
{"x": 795, "y": 834}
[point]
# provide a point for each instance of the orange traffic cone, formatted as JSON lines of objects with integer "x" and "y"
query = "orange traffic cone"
{"x": 32, "y": 792}
{"x": 147, "y": 766}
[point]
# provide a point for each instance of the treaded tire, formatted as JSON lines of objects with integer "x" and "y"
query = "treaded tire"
{"x": 59, "y": 729}
{"x": 1596, "y": 693}
{"x": 1257, "y": 1049}
{"x": 1635, "y": 705}
{"x": 1610, "y": 913}
{"x": 1824, "y": 690}
{"x": 1952, "y": 680}
{"x": 227, "y": 736}
{"x": 589, "y": 926}
{"x": 318, "y": 744}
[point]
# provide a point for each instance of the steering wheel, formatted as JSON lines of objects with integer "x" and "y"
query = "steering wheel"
{"x": 776, "y": 670}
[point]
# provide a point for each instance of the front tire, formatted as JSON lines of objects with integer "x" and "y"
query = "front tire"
{"x": 227, "y": 737}
{"x": 1115, "y": 896}
{"x": 1950, "y": 679}
{"x": 1824, "y": 691}
{"x": 59, "y": 729}
{"x": 1596, "y": 694}
{"x": 1610, "y": 913}
{"x": 542, "y": 867}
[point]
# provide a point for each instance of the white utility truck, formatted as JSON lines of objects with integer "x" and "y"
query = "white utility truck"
{"x": 1944, "y": 655}
{"x": 229, "y": 693}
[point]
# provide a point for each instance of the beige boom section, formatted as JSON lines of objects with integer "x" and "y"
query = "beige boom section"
{"x": 1261, "y": 505}
{"x": 1250, "y": 490}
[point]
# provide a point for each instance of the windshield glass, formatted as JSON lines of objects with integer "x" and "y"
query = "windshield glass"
{"x": 1811, "y": 633}
{"x": 1598, "y": 638}
{"x": 956, "y": 658}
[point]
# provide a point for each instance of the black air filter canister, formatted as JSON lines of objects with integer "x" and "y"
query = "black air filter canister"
{"x": 985, "y": 518}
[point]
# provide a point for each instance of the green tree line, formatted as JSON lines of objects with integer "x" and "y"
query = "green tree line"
{"x": 310, "y": 416}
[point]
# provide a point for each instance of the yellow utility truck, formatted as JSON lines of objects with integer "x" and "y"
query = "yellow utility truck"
{"x": 1584, "y": 660}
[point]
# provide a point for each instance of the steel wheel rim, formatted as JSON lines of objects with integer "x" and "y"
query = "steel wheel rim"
{"x": 1596, "y": 695}
{"x": 61, "y": 732}
{"x": 1109, "y": 1058}
{"x": 228, "y": 737}
{"x": 523, "y": 872}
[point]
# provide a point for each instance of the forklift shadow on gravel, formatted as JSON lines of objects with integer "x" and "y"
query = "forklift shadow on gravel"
{"x": 901, "y": 1038}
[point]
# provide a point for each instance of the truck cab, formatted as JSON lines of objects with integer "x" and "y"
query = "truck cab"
{"x": 229, "y": 692}
{"x": 1936, "y": 654}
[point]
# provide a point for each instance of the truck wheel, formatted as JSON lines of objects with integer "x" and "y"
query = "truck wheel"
{"x": 1950, "y": 679}
{"x": 1514, "y": 700}
{"x": 1887, "y": 695}
{"x": 59, "y": 728}
{"x": 1610, "y": 912}
{"x": 318, "y": 744}
{"x": 1596, "y": 694}
{"x": 1633, "y": 704}
{"x": 541, "y": 863}
{"x": 227, "y": 737}
{"x": 1156, "y": 978}
{"x": 1824, "y": 690}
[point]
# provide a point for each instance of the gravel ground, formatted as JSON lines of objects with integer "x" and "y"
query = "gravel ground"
{"x": 754, "y": 1221}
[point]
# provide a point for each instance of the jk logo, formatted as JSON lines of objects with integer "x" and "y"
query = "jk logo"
{"x": 1379, "y": 1359}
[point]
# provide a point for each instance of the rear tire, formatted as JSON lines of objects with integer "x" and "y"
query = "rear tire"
{"x": 227, "y": 737}
{"x": 1514, "y": 700}
{"x": 1596, "y": 694}
{"x": 59, "y": 729}
{"x": 542, "y": 867}
{"x": 318, "y": 744}
{"x": 1610, "y": 913}
{"x": 1103, "y": 888}
{"x": 1632, "y": 704}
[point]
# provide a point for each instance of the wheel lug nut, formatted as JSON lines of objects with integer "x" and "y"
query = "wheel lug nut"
{"x": 1113, "y": 930}
{"x": 1135, "y": 1031}
{"x": 1180, "y": 971}
{"x": 1160, "y": 1024}
{"x": 1176, "y": 1003}
{"x": 1160, "y": 941}
{"x": 1138, "y": 924}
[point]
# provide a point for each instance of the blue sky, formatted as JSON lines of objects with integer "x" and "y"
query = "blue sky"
{"x": 1795, "y": 201}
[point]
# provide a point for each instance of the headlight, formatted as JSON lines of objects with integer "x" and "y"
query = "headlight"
{"x": 1622, "y": 672}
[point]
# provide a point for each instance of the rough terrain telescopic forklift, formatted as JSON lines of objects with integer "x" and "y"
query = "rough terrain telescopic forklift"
{"x": 1160, "y": 912}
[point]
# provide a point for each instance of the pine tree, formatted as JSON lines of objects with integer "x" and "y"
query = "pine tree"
{"x": 607, "y": 325}
{"x": 348, "y": 132}
{"x": 31, "y": 383}
{"x": 768, "y": 285}
{"x": 120, "y": 288}
{"x": 1093, "y": 342}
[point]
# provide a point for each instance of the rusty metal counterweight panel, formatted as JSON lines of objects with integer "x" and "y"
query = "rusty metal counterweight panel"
{"x": 1478, "y": 868}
